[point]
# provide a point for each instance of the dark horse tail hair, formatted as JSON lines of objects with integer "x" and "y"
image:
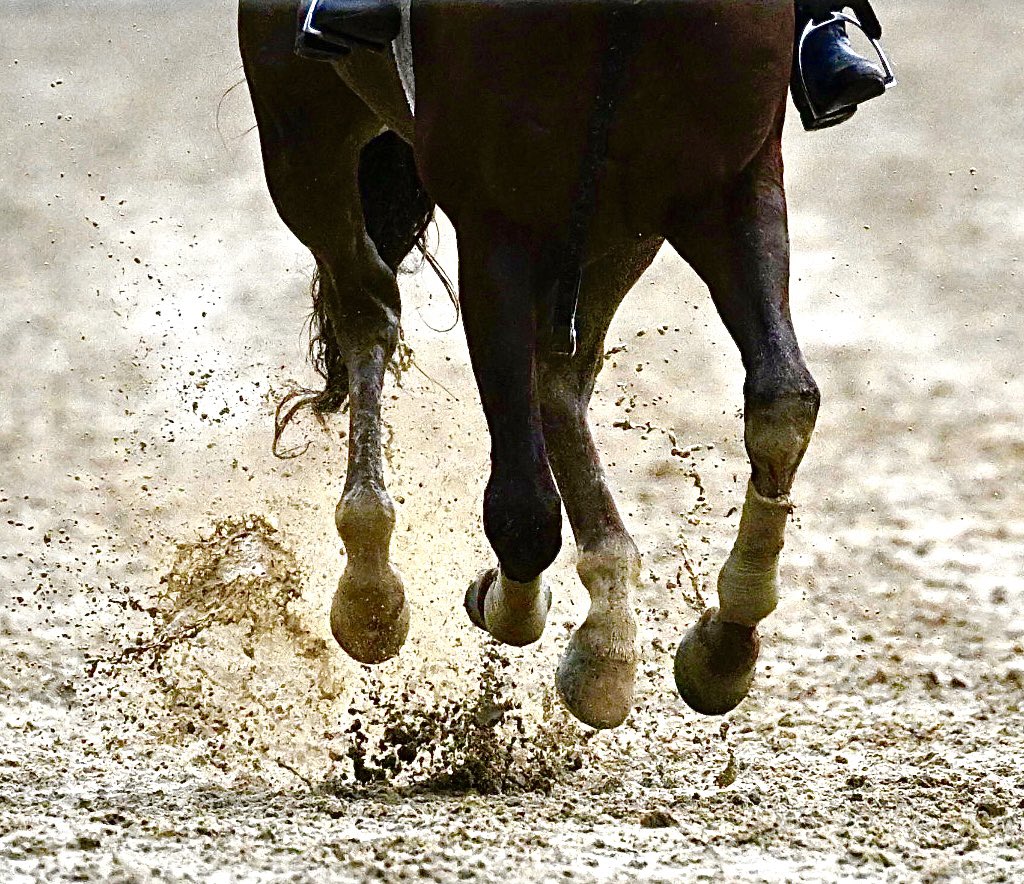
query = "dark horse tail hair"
{"x": 397, "y": 212}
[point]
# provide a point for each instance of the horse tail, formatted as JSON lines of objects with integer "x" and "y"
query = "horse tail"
{"x": 397, "y": 213}
{"x": 397, "y": 209}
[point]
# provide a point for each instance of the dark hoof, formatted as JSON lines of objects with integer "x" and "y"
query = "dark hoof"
{"x": 715, "y": 664}
{"x": 597, "y": 688}
{"x": 475, "y": 596}
{"x": 370, "y": 617}
{"x": 517, "y": 616}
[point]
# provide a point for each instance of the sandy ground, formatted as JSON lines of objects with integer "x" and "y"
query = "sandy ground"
{"x": 173, "y": 707}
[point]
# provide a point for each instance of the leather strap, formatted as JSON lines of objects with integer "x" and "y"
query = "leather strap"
{"x": 623, "y": 40}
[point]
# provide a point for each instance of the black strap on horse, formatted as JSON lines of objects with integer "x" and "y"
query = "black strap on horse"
{"x": 623, "y": 39}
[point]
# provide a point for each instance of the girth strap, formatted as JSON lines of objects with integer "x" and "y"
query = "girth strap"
{"x": 623, "y": 39}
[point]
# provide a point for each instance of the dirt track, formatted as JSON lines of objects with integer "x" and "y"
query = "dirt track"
{"x": 174, "y": 708}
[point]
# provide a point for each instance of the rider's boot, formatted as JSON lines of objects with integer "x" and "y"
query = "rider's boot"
{"x": 829, "y": 77}
{"x": 331, "y": 29}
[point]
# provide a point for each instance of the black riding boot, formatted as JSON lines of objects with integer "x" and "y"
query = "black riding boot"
{"x": 829, "y": 77}
{"x": 331, "y": 29}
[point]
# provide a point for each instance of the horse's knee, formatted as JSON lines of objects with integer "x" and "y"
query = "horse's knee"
{"x": 780, "y": 414}
{"x": 523, "y": 522}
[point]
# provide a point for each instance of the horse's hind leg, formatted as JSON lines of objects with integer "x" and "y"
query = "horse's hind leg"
{"x": 597, "y": 672}
{"x": 740, "y": 247}
{"x": 313, "y": 130}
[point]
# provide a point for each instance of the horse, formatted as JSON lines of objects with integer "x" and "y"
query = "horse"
{"x": 510, "y": 100}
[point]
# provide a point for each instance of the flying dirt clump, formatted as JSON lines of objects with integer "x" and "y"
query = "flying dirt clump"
{"x": 234, "y": 672}
{"x": 237, "y": 574}
{"x": 488, "y": 743}
{"x": 226, "y": 665}
{"x": 240, "y": 573}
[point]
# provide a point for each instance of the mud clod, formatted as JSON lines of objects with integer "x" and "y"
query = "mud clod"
{"x": 658, "y": 819}
{"x": 485, "y": 743}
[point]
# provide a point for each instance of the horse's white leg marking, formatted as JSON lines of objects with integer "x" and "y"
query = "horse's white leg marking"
{"x": 514, "y": 612}
{"x": 596, "y": 675}
{"x": 748, "y": 589}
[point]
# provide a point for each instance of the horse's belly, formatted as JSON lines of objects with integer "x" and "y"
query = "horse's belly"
{"x": 506, "y": 97}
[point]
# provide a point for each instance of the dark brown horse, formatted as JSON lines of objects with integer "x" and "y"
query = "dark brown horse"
{"x": 690, "y": 152}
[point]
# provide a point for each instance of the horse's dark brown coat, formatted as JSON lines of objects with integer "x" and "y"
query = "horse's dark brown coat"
{"x": 505, "y": 93}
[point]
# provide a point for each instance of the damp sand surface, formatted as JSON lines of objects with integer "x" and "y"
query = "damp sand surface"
{"x": 174, "y": 708}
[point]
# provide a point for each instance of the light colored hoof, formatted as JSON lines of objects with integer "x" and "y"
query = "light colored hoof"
{"x": 370, "y": 615}
{"x": 513, "y": 613}
{"x": 597, "y": 687}
{"x": 715, "y": 663}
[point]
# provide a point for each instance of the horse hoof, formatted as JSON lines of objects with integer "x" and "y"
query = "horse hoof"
{"x": 475, "y": 595}
{"x": 513, "y": 613}
{"x": 370, "y": 617}
{"x": 714, "y": 665}
{"x": 597, "y": 688}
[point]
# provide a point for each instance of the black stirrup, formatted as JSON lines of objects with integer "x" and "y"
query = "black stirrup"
{"x": 330, "y": 29}
{"x": 829, "y": 78}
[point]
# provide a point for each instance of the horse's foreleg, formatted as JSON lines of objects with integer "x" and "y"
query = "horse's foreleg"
{"x": 597, "y": 672}
{"x": 500, "y": 272}
{"x": 740, "y": 247}
{"x": 312, "y": 129}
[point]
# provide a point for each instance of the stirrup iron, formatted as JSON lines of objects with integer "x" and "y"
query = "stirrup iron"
{"x": 328, "y": 32}
{"x": 817, "y": 115}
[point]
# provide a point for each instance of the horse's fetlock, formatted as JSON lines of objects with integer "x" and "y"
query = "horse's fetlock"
{"x": 777, "y": 431}
{"x": 791, "y": 405}
{"x": 523, "y": 522}
{"x": 365, "y": 517}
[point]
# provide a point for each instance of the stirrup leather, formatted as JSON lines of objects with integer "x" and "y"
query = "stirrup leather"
{"x": 817, "y": 117}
